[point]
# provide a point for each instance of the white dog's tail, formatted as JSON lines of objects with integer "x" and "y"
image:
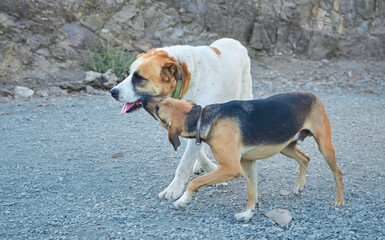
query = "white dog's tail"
{"x": 247, "y": 86}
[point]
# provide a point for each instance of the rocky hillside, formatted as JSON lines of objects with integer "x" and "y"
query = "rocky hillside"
{"x": 43, "y": 42}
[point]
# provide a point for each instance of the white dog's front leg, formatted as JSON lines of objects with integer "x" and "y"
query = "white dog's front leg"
{"x": 203, "y": 162}
{"x": 184, "y": 200}
{"x": 183, "y": 172}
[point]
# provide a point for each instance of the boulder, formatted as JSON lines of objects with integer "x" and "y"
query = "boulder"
{"x": 23, "y": 92}
{"x": 93, "y": 22}
{"x": 78, "y": 36}
{"x": 46, "y": 40}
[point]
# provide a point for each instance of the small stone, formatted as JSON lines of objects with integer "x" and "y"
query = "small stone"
{"x": 56, "y": 91}
{"x": 284, "y": 192}
{"x": 118, "y": 155}
{"x": 280, "y": 216}
{"x": 90, "y": 90}
{"x": 44, "y": 51}
{"x": 111, "y": 80}
{"x": 109, "y": 85}
{"x": 23, "y": 92}
{"x": 42, "y": 93}
{"x": 109, "y": 75}
{"x": 91, "y": 77}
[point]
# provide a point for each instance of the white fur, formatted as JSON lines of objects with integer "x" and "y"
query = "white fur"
{"x": 183, "y": 201}
{"x": 214, "y": 79}
{"x": 245, "y": 216}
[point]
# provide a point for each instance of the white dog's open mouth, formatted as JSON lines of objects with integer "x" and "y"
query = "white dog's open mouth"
{"x": 131, "y": 107}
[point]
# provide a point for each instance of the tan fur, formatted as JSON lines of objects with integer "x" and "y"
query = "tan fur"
{"x": 226, "y": 153}
{"x": 216, "y": 50}
{"x": 186, "y": 81}
{"x": 321, "y": 129}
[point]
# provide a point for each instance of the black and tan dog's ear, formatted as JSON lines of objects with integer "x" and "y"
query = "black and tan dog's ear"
{"x": 173, "y": 137}
{"x": 191, "y": 102}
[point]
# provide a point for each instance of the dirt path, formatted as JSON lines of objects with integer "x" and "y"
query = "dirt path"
{"x": 58, "y": 178}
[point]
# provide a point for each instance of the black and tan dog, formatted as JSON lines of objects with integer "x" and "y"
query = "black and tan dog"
{"x": 240, "y": 132}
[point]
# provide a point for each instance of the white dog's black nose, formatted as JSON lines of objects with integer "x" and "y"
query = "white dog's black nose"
{"x": 114, "y": 93}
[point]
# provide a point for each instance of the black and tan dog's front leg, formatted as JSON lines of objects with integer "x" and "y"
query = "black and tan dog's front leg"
{"x": 222, "y": 174}
{"x": 226, "y": 152}
{"x": 250, "y": 174}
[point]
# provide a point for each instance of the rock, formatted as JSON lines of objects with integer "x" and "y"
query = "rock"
{"x": 90, "y": 90}
{"x": 92, "y": 22}
{"x": 118, "y": 155}
{"x": 25, "y": 55}
{"x": 110, "y": 76}
{"x": 125, "y": 14}
{"x": 92, "y": 77}
{"x": 42, "y": 93}
{"x": 284, "y": 193}
{"x": 78, "y": 36}
{"x": 280, "y": 216}
{"x": 23, "y": 92}
{"x": 93, "y": 81}
{"x": 7, "y": 21}
{"x": 56, "y": 91}
{"x": 43, "y": 51}
{"x": 111, "y": 80}
{"x": 6, "y": 92}
{"x": 63, "y": 51}
{"x": 143, "y": 46}
{"x": 260, "y": 38}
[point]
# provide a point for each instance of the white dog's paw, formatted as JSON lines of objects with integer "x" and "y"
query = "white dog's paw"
{"x": 183, "y": 201}
{"x": 245, "y": 216}
{"x": 173, "y": 191}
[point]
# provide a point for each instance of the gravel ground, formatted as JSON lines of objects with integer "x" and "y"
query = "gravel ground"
{"x": 58, "y": 179}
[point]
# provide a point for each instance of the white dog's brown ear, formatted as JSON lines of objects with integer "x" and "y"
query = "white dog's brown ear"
{"x": 171, "y": 70}
{"x": 173, "y": 137}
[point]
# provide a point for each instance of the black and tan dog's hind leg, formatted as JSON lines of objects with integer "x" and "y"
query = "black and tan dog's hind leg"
{"x": 292, "y": 151}
{"x": 319, "y": 126}
{"x": 321, "y": 130}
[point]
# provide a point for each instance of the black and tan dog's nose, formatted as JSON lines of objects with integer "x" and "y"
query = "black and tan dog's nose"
{"x": 114, "y": 93}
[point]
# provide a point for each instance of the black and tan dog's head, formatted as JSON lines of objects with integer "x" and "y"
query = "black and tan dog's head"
{"x": 171, "y": 113}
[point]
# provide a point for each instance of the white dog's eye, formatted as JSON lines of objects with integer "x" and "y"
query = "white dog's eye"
{"x": 128, "y": 72}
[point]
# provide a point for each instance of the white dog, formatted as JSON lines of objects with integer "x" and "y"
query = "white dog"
{"x": 205, "y": 74}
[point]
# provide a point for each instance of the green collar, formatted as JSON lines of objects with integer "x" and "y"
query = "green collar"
{"x": 178, "y": 88}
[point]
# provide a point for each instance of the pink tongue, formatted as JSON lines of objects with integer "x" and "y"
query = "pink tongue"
{"x": 126, "y": 107}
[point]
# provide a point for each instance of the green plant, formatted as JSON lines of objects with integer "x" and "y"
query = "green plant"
{"x": 107, "y": 57}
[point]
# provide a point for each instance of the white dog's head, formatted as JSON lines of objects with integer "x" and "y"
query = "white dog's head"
{"x": 155, "y": 74}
